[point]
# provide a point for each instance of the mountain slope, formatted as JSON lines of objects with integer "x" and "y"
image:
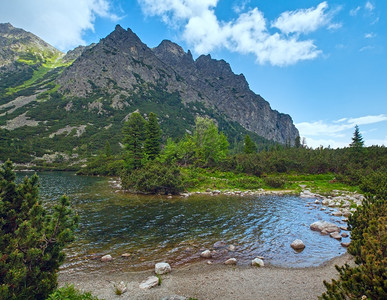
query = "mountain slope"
{"x": 71, "y": 104}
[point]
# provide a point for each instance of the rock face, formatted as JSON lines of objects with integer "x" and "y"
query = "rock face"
{"x": 324, "y": 226}
{"x": 162, "y": 268}
{"x": 297, "y": 245}
{"x": 122, "y": 62}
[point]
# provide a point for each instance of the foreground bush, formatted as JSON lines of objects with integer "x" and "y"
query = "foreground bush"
{"x": 31, "y": 238}
{"x": 369, "y": 246}
{"x": 154, "y": 178}
{"x": 68, "y": 292}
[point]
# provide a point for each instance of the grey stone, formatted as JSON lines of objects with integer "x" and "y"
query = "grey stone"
{"x": 150, "y": 282}
{"x": 162, "y": 268}
{"x": 297, "y": 245}
{"x": 257, "y": 262}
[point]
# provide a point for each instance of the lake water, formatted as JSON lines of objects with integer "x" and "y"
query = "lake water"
{"x": 154, "y": 229}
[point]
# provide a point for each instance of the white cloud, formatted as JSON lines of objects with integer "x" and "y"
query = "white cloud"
{"x": 370, "y": 35}
{"x": 247, "y": 34}
{"x": 369, "y": 6}
{"x": 304, "y": 20}
{"x": 61, "y": 24}
{"x": 353, "y": 12}
{"x": 338, "y": 133}
{"x": 367, "y": 120}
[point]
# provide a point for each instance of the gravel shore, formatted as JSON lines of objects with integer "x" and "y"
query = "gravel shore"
{"x": 202, "y": 281}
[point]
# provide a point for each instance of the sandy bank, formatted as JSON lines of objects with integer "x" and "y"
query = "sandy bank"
{"x": 204, "y": 281}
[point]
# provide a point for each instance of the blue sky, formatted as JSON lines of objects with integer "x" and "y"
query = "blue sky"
{"x": 322, "y": 62}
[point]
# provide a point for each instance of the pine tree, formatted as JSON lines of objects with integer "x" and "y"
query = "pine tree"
{"x": 297, "y": 142}
{"x": 250, "y": 146}
{"x": 153, "y": 137}
{"x": 31, "y": 238}
{"x": 357, "y": 139}
{"x": 134, "y": 138}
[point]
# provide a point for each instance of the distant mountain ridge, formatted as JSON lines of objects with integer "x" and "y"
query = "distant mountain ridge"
{"x": 103, "y": 83}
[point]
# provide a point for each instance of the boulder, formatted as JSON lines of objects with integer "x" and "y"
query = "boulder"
{"x": 150, "y": 282}
{"x": 347, "y": 213}
{"x": 345, "y": 244}
{"x": 162, "y": 268}
{"x": 121, "y": 288}
{"x": 206, "y": 254}
{"x": 257, "y": 262}
{"x": 335, "y": 235}
{"x": 106, "y": 258}
{"x": 297, "y": 245}
{"x": 126, "y": 255}
{"x": 230, "y": 261}
{"x": 220, "y": 244}
{"x": 337, "y": 213}
{"x": 344, "y": 234}
{"x": 231, "y": 248}
{"x": 324, "y": 225}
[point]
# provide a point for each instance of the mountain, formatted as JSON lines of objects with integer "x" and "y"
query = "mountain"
{"x": 72, "y": 103}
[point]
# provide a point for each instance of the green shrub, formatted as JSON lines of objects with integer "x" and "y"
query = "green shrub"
{"x": 68, "y": 292}
{"x": 369, "y": 247}
{"x": 31, "y": 238}
{"x": 154, "y": 178}
{"x": 274, "y": 182}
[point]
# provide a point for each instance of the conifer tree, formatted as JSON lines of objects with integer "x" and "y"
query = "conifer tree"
{"x": 31, "y": 238}
{"x": 250, "y": 146}
{"x": 357, "y": 139}
{"x": 134, "y": 138}
{"x": 153, "y": 137}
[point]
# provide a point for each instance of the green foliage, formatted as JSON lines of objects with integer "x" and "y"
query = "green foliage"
{"x": 210, "y": 145}
{"x": 250, "y": 146}
{"x": 154, "y": 178}
{"x": 357, "y": 139}
{"x": 31, "y": 239}
{"x": 153, "y": 137}
{"x": 104, "y": 165}
{"x": 68, "y": 292}
{"x": 274, "y": 182}
{"x": 369, "y": 246}
{"x": 134, "y": 138}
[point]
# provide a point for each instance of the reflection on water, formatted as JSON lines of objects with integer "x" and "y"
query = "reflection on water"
{"x": 153, "y": 229}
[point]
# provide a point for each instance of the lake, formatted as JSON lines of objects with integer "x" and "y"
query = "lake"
{"x": 153, "y": 228}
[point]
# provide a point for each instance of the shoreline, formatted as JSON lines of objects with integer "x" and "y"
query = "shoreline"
{"x": 217, "y": 281}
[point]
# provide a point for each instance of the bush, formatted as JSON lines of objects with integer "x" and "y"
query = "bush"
{"x": 154, "y": 178}
{"x": 68, "y": 292}
{"x": 369, "y": 247}
{"x": 31, "y": 238}
{"x": 274, "y": 182}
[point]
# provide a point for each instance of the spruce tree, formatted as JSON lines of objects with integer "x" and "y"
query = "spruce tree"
{"x": 250, "y": 146}
{"x": 153, "y": 137}
{"x": 31, "y": 238}
{"x": 134, "y": 138}
{"x": 357, "y": 139}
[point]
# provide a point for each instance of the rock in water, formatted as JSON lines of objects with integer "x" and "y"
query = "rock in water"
{"x": 206, "y": 254}
{"x": 220, "y": 244}
{"x": 150, "y": 282}
{"x": 335, "y": 235}
{"x": 230, "y": 261}
{"x": 257, "y": 262}
{"x": 324, "y": 226}
{"x": 106, "y": 258}
{"x": 297, "y": 245}
{"x": 162, "y": 268}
